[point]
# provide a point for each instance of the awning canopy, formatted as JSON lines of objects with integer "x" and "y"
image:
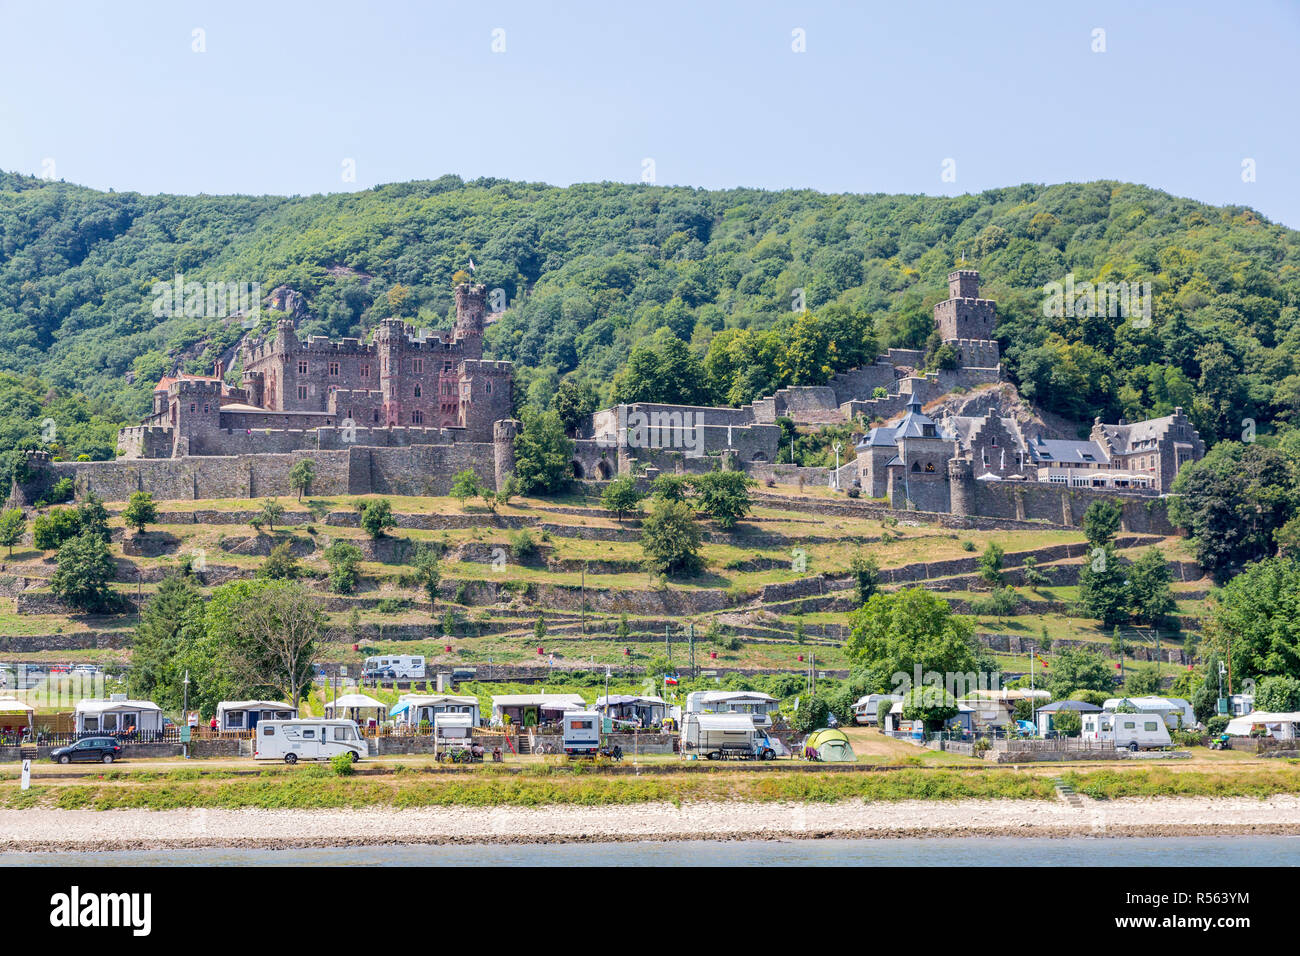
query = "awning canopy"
{"x": 355, "y": 702}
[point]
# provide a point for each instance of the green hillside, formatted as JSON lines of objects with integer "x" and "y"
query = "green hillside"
{"x": 693, "y": 287}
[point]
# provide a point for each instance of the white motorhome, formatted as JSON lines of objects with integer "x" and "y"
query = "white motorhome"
{"x": 719, "y": 736}
{"x": 866, "y": 710}
{"x": 308, "y": 738}
{"x": 581, "y": 733}
{"x": 399, "y": 666}
{"x": 1131, "y": 731}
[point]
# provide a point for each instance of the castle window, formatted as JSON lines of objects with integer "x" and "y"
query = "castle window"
{"x": 365, "y": 371}
{"x": 334, "y": 368}
{"x": 417, "y": 417}
{"x": 929, "y": 467}
{"x": 302, "y": 368}
{"x": 417, "y": 390}
{"x": 417, "y": 365}
{"x": 206, "y": 408}
{"x": 193, "y": 407}
{"x": 302, "y": 391}
{"x": 446, "y": 366}
{"x": 927, "y": 431}
{"x": 916, "y": 466}
{"x": 487, "y": 387}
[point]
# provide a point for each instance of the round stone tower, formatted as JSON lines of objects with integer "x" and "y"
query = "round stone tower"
{"x": 961, "y": 486}
{"x": 503, "y": 449}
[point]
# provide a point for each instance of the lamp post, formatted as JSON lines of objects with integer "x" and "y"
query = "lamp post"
{"x": 185, "y": 707}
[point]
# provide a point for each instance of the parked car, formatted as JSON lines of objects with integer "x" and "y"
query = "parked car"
{"x": 97, "y": 749}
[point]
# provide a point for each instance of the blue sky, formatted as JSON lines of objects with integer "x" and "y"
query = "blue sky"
{"x": 713, "y": 93}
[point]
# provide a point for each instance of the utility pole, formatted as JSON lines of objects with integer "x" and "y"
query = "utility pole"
{"x": 691, "y": 637}
{"x": 838, "y": 447}
{"x": 584, "y": 598}
{"x": 668, "y": 644}
{"x": 185, "y": 707}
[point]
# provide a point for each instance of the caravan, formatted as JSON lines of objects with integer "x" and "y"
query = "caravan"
{"x": 719, "y": 736}
{"x": 1131, "y": 731}
{"x": 581, "y": 733}
{"x": 395, "y": 667}
{"x": 308, "y": 738}
{"x": 866, "y": 710}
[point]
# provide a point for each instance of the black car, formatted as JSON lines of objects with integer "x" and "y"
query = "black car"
{"x": 98, "y": 749}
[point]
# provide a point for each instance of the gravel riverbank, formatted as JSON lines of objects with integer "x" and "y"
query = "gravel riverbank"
{"x": 45, "y": 829}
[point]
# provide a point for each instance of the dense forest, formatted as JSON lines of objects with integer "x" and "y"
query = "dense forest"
{"x": 638, "y": 291}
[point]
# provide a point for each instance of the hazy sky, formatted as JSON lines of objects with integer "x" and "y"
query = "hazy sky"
{"x": 285, "y": 93}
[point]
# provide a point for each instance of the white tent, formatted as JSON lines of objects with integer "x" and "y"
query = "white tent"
{"x": 14, "y": 714}
{"x": 356, "y": 707}
{"x": 1279, "y": 725}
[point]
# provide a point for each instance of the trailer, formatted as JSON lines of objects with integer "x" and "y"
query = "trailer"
{"x": 307, "y": 738}
{"x": 453, "y": 738}
{"x": 725, "y": 737}
{"x": 581, "y": 733}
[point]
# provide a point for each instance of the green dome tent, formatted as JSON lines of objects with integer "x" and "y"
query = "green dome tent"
{"x": 830, "y": 746}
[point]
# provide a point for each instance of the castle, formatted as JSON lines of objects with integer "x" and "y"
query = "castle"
{"x": 400, "y": 388}
{"x": 405, "y": 412}
{"x": 989, "y": 465}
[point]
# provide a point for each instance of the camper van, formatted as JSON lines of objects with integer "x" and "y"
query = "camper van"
{"x": 307, "y": 739}
{"x": 1131, "y": 731}
{"x": 719, "y": 736}
{"x": 581, "y": 733}
{"x": 866, "y": 710}
{"x": 397, "y": 666}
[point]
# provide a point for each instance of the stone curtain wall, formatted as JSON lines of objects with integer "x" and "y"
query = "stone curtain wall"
{"x": 1060, "y": 505}
{"x": 415, "y": 470}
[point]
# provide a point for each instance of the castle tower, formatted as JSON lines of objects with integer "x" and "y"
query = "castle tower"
{"x": 503, "y": 449}
{"x": 964, "y": 315}
{"x": 961, "y": 486}
{"x": 471, "y": 308}
{"x": 964, "y": 284}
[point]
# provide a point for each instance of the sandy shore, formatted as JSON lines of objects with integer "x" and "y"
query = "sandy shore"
{"x": 144, "y": 829}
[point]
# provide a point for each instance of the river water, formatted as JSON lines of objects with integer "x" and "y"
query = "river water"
{"x": 931, "y": 851}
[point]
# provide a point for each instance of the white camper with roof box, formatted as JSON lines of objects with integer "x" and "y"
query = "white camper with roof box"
{"x": 308, "y": 738}
{"x": 395, "y": 666}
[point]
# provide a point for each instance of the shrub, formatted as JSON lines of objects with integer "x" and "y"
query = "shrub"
{"x": 522, "y": 545}
{"x": 49, "y": 531}
{"x": 342, "y": 765}
{"x": 1217, "y": 724}
{"x": 343, "y": 558}
{"x": 1067, "y": 723}
{"x": 968, "y": 545}
{"x": 280, "y": 565}
{"x": 377, "y": 517}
